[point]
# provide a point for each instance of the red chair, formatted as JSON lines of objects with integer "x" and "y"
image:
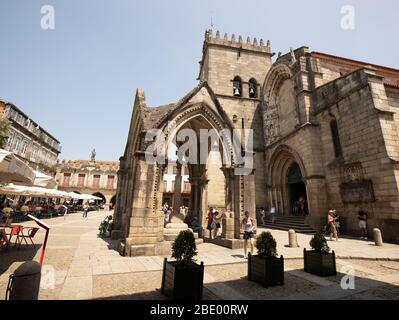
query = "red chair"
{"x": 15, "y": 231}
{"x": 30, "y": 234}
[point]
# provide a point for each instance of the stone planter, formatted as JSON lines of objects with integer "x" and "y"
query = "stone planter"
{"x": 266, "y": 271}
{"x": 321, "y": 264}
{"x": 182, "y": 282}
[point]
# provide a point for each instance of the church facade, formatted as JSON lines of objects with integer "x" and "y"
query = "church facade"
{"x": 324, "y": 129}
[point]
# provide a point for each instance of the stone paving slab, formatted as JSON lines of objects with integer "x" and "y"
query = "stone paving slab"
{"x": 309, "y": 277}
{"x": 77, "y": 288}
{"x": 81, "y": 259}
{"x": 222, "y": 290}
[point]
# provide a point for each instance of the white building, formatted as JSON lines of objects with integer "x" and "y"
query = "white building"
{"x": 169, "y": 184}
{"x": 29, "y": 141}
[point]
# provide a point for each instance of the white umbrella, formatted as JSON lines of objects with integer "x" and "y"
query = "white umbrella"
{"x": 33, "y": 191}
{"x": 45, "y": 181}
{"x": 14, "y": 170}
{"x": 83, "y": 196}
{"x": 12, "y": 189}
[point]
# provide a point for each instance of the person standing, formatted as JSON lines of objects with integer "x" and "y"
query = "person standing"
{"x": 211, "y": 223}
{"x": 331, "y": 223}
{"x": 273, "y": 213}
{"x": 362, "y": 216}
{"x": 263, "y": 215}
{"x": 168, "y": 212}
{"x": 85, "y": 209}
{"x": 301, "y": 203}
{"x": 249, "y": 225}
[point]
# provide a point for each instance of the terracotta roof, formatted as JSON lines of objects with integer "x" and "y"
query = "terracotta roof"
{"x": 391, "y": 74}
{"x": 354, "y": 62}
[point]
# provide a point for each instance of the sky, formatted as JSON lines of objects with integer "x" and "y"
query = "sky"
{"x": 78, "y": 81}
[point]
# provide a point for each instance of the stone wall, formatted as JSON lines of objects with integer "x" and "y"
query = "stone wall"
{"x": 365, "y": 175}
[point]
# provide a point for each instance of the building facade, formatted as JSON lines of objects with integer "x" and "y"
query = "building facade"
{"x": 169, "y": 184}
{"x": 97, "y": 178}
{"x": 29, "y": 141}
{"x": 324, "y": 128}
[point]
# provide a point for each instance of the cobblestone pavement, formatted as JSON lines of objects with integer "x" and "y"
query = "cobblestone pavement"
{"x": 84, "y": 266}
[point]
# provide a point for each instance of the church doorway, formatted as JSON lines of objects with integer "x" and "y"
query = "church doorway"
{"x": 297, "y": 191}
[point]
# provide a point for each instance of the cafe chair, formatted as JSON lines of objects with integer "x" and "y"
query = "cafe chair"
{"x": 29, "y": 234}
{"x": 15, "y": 231}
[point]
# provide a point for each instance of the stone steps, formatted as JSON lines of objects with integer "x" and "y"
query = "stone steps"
{"x": 172, "y": 237}
{"x": 286, "y": 223}
{"x": 171, "y": 231}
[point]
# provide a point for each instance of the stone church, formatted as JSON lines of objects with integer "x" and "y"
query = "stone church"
{"x": 325, "y": 129}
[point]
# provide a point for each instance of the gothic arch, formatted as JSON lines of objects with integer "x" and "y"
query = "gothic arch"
{"x": 278, "y": 168}
{"x": 282, "y": 158}
{"x": 275, "y": 79}
{"x": 205, "y": 112}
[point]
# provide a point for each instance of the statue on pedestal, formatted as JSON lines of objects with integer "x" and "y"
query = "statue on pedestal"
{"x": 93, "y": 155}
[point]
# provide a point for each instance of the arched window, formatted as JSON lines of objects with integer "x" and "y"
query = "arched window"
{"x": 253, "y": 88}
{"x": 335, "y": 138}
{"x": 237, "y": 87}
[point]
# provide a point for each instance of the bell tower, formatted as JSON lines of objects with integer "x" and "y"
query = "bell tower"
{"x": 234, "y": 68}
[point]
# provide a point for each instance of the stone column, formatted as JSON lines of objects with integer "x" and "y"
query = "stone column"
{"x": 197, "y": 196}
{"x": 202, "y": 199}
{"x": 228, "y": 218}
{"x": 249, "y": 194}
{"x": 177, "y": 199}
{"x": 120, "y": 205}
{"x": 145, "y": 227}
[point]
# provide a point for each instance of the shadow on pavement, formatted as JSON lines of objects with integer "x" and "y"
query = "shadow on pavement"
{"x": 298, "y": 286}
{"x": 13, "y": 254}
{"x": 154, "y": 295}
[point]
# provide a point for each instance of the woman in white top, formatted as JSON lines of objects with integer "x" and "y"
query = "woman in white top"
{"x": 249, "y": 232}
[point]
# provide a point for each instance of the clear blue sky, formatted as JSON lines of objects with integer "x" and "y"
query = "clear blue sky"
{"x": 78, "y": 81}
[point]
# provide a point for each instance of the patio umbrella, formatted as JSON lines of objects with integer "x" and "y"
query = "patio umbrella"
{"x": 14, "y": 170}
{"x": 83, "y": 196}
{"x": 45, "y": 181}
{"x": 33, "y": 191}
{"x": 12, "y": 189}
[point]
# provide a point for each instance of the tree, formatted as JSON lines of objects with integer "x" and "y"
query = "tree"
{"x": 4, "y": 130}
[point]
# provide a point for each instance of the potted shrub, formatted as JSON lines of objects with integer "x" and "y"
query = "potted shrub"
{"x": 319, "y": 261}
{"x": 183, "y": 279}
{"x": 265, "y": 268}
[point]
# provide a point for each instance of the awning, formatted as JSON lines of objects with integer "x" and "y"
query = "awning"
{"x": 45, "y": 181}
{"x": 14, "y": 170}
{"x": 33, "y": 191}
{"x": 79, "y": 196}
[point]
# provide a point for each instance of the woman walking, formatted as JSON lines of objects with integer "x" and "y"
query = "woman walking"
{"x": 85, "y": 209}
{"x": 249, "y": 225}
